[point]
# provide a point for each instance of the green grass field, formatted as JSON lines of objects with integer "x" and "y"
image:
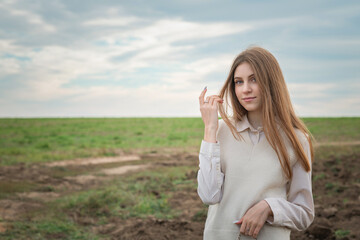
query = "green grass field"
{"x": 44, "y": 140}
{"x": 148, "y": 193}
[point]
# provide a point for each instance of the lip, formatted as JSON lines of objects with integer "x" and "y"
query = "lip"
{"x": 248, "y": 99}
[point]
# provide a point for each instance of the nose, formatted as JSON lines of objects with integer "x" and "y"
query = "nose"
{"x": 246, "y": 87}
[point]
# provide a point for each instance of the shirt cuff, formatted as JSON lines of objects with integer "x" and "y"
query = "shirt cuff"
{"x": 210, "y": 149}
{"x": 276, "y": 218}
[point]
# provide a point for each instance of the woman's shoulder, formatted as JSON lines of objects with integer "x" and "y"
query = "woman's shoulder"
{"x": 302, "y": 136}
{"x": 222, "y": 125}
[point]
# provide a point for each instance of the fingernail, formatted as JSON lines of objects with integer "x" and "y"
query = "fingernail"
{"x": 205, "y": 87}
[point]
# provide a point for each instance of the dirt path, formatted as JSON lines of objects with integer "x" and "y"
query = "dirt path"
{"x": 94, "y": 161}
{"x": 124, "y": 169}
{"x": 52, "y": 180}
{"x": 50, "y": 186}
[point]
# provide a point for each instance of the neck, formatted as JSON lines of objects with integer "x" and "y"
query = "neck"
{"x": 255, "y": 119}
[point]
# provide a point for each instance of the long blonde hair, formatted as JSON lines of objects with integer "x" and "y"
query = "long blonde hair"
{"x": 276, "y": 106}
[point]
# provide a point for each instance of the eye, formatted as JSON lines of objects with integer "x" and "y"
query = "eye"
{"x": 253, "y": 80}
{"x": 239, "y": 81}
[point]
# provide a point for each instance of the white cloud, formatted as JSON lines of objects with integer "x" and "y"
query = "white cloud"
{"x": 28, "y": 16}
{"x": 314, "y": 99}
{"x": 159, "y": 41}
{"x": 113, "y": 22}
{"x": 344, "y": 106}
{"x": 310, "y": 90}
{"x": 198, "y": 74}
{"x": 171, "y": 30}
{"x": 54, "y": 66}
{"x": 9, "y": 66}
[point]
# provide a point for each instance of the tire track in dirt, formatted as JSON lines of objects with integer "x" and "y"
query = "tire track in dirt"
{"x": 94, "y": 161}
{"x": 124, "y": 169}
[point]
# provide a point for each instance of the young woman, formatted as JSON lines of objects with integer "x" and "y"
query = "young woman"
{"x": 255, "y": 165}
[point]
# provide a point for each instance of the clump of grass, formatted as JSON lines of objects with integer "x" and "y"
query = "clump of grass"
{"x": 319, "y": 176}
{"x": 200, "y": 216}
{"x": 341, "y": 233}
{"x": 96, "y": 203}
{"x": 152, "y": 205}
{"x": 329, "y": 186}
{"x": 46, "y": 229}
{"x": 141, "y": 195}
{"x": 334, "y": 187}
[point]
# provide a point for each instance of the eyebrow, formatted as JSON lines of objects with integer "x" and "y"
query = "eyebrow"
{"x": 252, "y": 75}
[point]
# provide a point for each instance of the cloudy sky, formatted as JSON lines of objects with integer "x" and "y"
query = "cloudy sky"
{"x": 62, "y": 58}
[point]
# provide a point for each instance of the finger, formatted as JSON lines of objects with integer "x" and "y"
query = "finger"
{"x": 211, "y": 101}
{"x": 215, "y": 98}
{"x": 207, "y": 99}
{"x": 247, "y": 229}
{"x": 202, "y": 95}
{"x": 256, "y": 232}
{"x": 219, "y": 101}
{"x": 252, "y": 230}
{"x": 242, "y": 228}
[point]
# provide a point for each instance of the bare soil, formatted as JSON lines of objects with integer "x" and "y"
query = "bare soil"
{"x": 91, "y": 161}
{"x": 336, "y": 184}
{"x": 336, "y": 188}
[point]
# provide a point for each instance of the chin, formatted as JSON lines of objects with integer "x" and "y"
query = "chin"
{"x": 252, "y": 109}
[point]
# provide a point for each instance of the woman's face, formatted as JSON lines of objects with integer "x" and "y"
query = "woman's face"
{"x": 247, "y": 89}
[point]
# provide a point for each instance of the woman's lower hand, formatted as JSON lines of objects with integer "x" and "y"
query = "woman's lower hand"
{"x": 254, "y": 219}
{"x": 209, "y": 114}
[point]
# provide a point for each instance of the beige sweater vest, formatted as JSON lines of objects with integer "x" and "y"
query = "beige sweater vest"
{"x": 252, "y": 173}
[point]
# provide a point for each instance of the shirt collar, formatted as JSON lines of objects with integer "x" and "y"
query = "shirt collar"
{"x": 245, "y": 124}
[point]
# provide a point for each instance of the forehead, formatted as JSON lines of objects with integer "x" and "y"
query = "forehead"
{"x": 244, "y": 70}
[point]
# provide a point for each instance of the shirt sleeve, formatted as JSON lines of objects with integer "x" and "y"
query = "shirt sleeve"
{"x": 210, "y": 178}
{"x": 297, "y": 212}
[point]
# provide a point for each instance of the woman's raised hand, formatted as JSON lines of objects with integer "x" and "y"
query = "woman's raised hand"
{"x": 209, "y": 114}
